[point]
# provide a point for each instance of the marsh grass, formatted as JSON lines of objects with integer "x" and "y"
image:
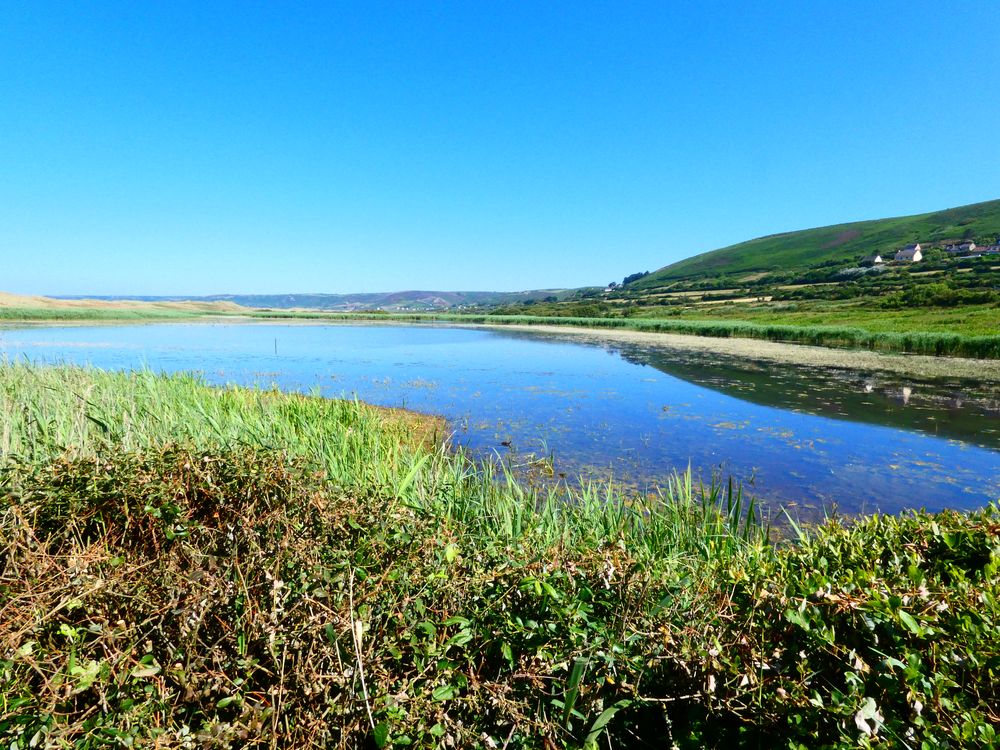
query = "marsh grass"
{"x": 934, "y": 343}
{"x": 186, "y": 566}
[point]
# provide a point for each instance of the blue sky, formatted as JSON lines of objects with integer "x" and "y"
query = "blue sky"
{"x": 196, "y": 148}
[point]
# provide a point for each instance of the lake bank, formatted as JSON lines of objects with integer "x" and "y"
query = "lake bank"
{"x": 910, "y": 341}
{"x": 585, "y": 410}
{"x": 906, "y": 337}
{"x": 226, "y": 565}
{"x": 577, "y": 409}
{"x": 919, "y": 365}
{"x": 795, "y": 354}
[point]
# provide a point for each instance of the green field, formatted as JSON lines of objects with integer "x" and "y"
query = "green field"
{"x": 186, "y": 566}
{"x": 840, "y": 243}
{"x": 973, "y": 320}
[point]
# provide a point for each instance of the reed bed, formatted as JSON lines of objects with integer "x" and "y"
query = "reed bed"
{"x": 186, "y": 566}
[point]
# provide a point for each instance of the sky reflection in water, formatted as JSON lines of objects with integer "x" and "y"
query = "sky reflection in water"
{"x": 798, "y": 435}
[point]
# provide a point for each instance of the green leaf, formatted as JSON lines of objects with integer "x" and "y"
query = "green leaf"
{"x": 381, "y": 734}
{"x": 508, "y": 653}
{"x": 410, "y": 476}
{"x": 573, "y": 687}
{"x": 444, "y": 692}
{"x": 602, "y": 721}
{"x": 146, "y": 670}
{"x": 547, "y": 587}
{"x": 85, "y": 675}
{"x": 912, "y": 625}
{"x": 460, "y": 639}
{"x": 797, "y": 618}
{"x": 68, "y": 632}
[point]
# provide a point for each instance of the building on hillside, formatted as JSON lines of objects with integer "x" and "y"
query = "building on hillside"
{"x": 910, "y": 253}
{"x": 990, "y": 250}
{"x": 960, "y": 248}
{"x": 871, "y": 260}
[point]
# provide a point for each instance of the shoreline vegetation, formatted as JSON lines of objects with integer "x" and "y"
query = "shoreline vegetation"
{"x": 913, "y": 365}
{"x": 908, "y": 340}
{"x": 931, "y": 343}
{"x": 189, "y": 566}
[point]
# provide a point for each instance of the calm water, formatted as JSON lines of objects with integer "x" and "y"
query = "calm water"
{"x": 796, "y": 435}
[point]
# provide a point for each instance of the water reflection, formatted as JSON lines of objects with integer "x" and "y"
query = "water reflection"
{"x": 956, "y": 409}
{"x": 796, "y": 435}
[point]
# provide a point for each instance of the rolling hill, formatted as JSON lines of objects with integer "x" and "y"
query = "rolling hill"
{"x": 845, "y": 243}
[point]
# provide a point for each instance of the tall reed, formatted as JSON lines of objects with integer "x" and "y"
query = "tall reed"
{"x": 70, "y": 411}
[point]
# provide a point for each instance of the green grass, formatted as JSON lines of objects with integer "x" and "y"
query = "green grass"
{"x": 970, "y": 320}
{"x": 938, "y": 343}
{"x": 79, "y": 413}
{"x": 846, "y": 243}
{"x": 185, "y": 566}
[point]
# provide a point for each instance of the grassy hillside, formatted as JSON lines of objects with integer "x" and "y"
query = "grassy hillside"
{"x": 845, "y": 243}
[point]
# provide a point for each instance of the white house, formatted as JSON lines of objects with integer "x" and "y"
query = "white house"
{"x": 871, "y": 260}
{"x": 910, "y": 253}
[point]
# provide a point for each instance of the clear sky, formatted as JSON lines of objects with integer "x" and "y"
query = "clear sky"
{"x": 204, "y": 147}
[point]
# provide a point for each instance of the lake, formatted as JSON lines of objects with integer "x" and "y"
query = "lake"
{"x": 804, "y": 437}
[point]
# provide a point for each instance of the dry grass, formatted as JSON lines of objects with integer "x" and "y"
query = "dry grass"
{"x": 13, "y": 302}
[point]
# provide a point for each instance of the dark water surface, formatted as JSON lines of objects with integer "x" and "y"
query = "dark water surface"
{"x": 797, "y": 435}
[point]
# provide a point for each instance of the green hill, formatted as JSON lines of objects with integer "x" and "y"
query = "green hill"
{"x": 847, "y": 243}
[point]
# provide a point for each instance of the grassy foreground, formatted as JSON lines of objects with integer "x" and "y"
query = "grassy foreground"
{"x": 183, "y": 566}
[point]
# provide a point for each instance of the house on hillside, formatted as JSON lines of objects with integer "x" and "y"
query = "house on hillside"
{"x": 990, "y": 249}
{"x": 871, "y": 260}
{"x": 960, "y": 248}
{"x": 910, "y": 253}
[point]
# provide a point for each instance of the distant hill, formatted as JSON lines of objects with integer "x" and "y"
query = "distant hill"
{"x": 846, "y": 243}
{"x": 389, "y": 301}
